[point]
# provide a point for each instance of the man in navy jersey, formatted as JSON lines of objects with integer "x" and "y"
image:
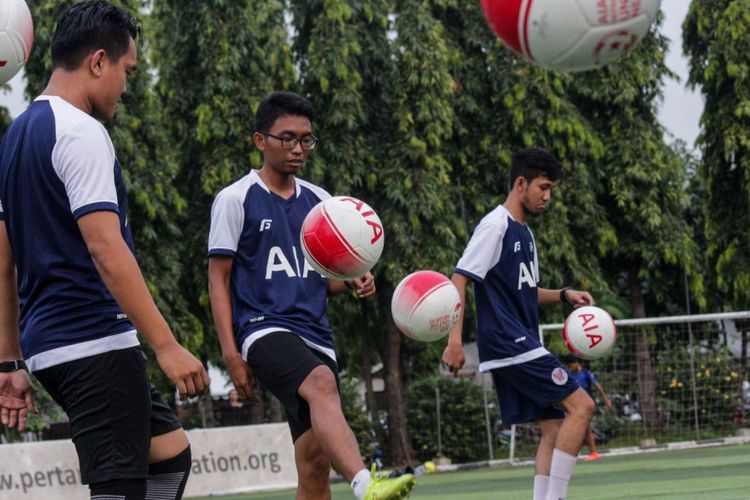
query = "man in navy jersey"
{"x": 532, "y": 385}
{"x": 69, "y": 280}
{"x": 269, "y": 304}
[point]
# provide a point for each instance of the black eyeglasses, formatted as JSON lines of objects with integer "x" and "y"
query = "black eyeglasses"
{"x": 290, "y": 142}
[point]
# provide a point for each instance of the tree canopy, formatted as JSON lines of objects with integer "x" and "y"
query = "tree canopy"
{"x": 419, "y": 108}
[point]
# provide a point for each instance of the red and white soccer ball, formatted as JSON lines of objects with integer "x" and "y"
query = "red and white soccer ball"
{"x": 589, "y": 332}
{"x": 342, "y": 237}
{"x": 570, "y": 35}
{"x": 16, "y": 37}
{"x": 425, "y": 306}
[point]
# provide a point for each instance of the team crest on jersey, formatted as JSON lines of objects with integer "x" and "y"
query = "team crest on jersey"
{"x": 559, "y": 376}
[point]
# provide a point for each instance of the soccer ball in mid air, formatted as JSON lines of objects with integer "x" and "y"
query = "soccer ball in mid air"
{"x": 425, "y": 306}
{"x": 342, "y": 237}
{"x": 570, "y": 35}
{"x": 589, "y": 332}
{"x": 16, "y": 37}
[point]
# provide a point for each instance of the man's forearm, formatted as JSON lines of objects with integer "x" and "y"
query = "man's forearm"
{"x": 10, "y": 348}
{"x": 219, "y": 272}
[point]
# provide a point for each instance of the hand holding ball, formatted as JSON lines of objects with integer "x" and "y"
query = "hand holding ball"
{"x": 589, "y": 332}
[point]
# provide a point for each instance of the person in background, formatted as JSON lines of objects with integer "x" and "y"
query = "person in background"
{"x": 587, "y": 380}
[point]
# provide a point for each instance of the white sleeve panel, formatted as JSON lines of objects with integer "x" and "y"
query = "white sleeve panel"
{"x": 227, "y": 221}
{"x": 483, "y": 251}
{"x": 84, "y": 160}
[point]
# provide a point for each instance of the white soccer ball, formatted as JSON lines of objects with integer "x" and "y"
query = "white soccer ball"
{"x": 425, "y": 306}
{"x": 342, "y": 237}
{"x": 589, "y": 332}
{"x": 16, "y": 37}
{"x": 570, "y": 35}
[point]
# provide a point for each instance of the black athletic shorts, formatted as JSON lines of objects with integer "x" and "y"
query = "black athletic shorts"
{"x": 114, "y": 412}
{"x": 281, "y": 361}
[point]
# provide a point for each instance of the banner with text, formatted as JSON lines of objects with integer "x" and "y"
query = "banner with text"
{"x": 228, "y": 459}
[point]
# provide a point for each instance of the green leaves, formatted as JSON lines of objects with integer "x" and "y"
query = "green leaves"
{"x": 418, "y": 109}
{"x": 717, "y": 40}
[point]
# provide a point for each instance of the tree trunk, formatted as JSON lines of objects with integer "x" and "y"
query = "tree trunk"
{"x": 367, "y": 376}
{"x": 206, "y": 405}
{"x": 743, "y": 327}
{"x": 277, "y": 411}
{"x": 644, "y": 370}
{"x": 372, "y": 405}
{"x": 257, "y": 407}
{"x": 399, "y": 451}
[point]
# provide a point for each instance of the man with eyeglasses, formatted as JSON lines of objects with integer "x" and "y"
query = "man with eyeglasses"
{"x": 269, "y": 304}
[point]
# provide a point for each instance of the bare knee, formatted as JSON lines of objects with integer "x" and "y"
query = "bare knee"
{"x": 589, "y": 408}
{"x": 313, "y": 465}
{"x": 314, "y": 470}
{"x": 320, "y": 465}
{"x": 583, "y": 407}
{"x": 319, "y": 383}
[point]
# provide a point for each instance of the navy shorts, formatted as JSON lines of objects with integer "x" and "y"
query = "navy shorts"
{"x": 114, "y": 412}
{"x": 531, "y": 390}
{"x": 281, "y": 361}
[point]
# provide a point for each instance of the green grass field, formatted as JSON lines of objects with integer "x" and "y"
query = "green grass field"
{"x": 720, "y": 473}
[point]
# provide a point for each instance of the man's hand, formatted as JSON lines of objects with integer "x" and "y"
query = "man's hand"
{"x": 183, "y": 369}
{"x": 365, "y": 285}
{"x": 454, "y": 358}
{"x": 242, "y": 376}
{"x": 16, "y": 399}
{"x": 578, "y": 299}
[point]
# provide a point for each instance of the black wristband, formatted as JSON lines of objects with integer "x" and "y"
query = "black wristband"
{"x": 564, "y": 296}
{"x": 12, "y": 366}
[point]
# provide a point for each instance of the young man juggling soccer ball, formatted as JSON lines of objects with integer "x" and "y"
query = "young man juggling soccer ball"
{"x": 531, "y": 383}
{"x": 269, "y": 305}
{"x": 69, "y": 279}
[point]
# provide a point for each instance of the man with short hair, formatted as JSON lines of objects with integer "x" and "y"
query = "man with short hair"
{"x": 67, "y": 259}
{"x": 532, "y": 385}
{"x": 269, "y": 304}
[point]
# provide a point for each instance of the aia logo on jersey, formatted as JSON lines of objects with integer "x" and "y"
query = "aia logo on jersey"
{"x": 559, "y": 376}
{"x": 526, "y": 275}
{"x": 294, "y": 267}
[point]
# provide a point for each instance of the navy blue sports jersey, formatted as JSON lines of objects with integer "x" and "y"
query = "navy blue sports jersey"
{"x": 58, "y": 164}
{"x": 273, "y": 288}
{"x": 501, "y": 260}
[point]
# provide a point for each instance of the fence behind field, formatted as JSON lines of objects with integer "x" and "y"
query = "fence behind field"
{"x": 679, "y": 378}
